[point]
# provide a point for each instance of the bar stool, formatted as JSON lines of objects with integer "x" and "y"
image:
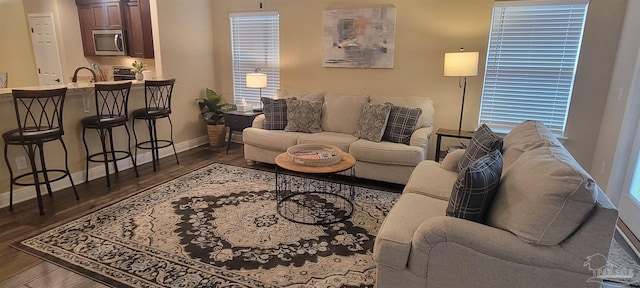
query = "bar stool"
{"x": 111, "y": 112}
{"x": 157, "y": 98}
{"x": 39, "y": 117}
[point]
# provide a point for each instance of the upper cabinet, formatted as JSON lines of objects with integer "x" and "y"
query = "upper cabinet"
{"x": 133, "y": 17}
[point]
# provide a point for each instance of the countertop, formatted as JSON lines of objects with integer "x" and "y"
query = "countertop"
{"x": 72, "y": 88}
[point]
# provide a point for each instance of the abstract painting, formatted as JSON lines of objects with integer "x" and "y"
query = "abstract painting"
{"x": 359, "y": 38}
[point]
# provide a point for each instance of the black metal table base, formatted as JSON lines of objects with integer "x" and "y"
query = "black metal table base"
{"x": 319, "y": 199}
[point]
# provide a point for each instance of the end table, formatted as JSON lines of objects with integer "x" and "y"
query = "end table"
{"x": 237, "y": 121}
{"x": 451, "y": 133}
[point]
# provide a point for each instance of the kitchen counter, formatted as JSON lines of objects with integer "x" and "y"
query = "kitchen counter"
{"x": 72, "y": 88}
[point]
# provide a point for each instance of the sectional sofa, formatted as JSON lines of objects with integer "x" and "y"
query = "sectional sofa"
{"x": 547, "y": 226}
{"x": 384, "y": 160}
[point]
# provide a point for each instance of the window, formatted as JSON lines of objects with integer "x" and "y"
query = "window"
{"x": 255, "y": 43}
{"x": 531, "y": 62}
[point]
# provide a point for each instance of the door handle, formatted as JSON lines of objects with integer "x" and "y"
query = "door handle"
{"x": 57, "y": 80}
{"x": 115, "y": 42}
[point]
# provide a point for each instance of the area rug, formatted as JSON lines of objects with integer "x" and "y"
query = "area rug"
{"x": 216, "y": 227}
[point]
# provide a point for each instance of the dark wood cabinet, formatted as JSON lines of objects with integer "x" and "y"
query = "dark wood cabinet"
{"x": 131, "y": 16}
{"x": 139, "y": 34}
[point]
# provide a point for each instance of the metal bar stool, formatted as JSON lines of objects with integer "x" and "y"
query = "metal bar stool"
{"x": 157, "y": 98}
{"x": 39, "y": 117}
{"x": 111, "y": 112}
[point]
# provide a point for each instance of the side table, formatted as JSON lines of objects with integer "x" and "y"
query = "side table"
{"x": 237, "y": 121}
{"x": 451, "y": 133}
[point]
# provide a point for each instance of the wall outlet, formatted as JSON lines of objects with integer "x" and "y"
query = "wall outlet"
{"x": 21, "y": 162}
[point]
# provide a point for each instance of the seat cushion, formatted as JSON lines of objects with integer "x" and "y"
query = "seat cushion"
{"x": 303, "y": 116}
{"x": 475, "y": 188}
{"x": 544, "y": 197}
{"x": 483, "y": 142}
{"x": 386, "y": 152}
{"x": 430, "y": 180}
{"x": 393, "y": 243}
{"x": 339, "y": 140}
{"x": 275, "y": 140}
{"x": 401, "y": 124}
{"x": 341, "y": 113}
{"x": 275, "y": 113}
{"x": 527, "y": 136}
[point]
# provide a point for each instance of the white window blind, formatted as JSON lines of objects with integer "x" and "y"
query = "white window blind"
{"x": 531, "y": 62}
{"x": 255, "y": 43}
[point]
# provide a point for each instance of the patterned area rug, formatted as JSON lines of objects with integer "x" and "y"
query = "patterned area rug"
{"x": 216, "y": 227}
{"x": 622, "y": 265}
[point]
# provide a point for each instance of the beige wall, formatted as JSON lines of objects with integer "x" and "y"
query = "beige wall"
{"x": 425, "y": 30}
{"x": 611, "y": 156}
{"x": 16, "y": 56}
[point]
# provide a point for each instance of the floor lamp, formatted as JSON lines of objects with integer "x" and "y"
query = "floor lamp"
{"x": 257, "y": 80}
{"x": 461, "y": 64}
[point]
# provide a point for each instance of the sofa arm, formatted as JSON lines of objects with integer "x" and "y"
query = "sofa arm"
{"x": 457, "y": 236}
{"x": 450, "y": 162}
{"x": 420, "y": 138}
{"x": 258, "y": 122}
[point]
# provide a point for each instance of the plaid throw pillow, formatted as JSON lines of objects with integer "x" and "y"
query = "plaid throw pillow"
{"x": 275, "y": 113}
{"x": 475, "y": 188}
{"x": 401, "y": 123}
{"x": 482, "y": 142}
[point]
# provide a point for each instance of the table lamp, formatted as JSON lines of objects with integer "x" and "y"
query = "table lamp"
{"x": 461, "y": 64}
{"x": 257, "y": 80}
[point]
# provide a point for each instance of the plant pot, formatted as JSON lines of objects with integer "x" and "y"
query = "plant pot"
{"x": 139, "y": 76}
{"x": 217, "y": 134}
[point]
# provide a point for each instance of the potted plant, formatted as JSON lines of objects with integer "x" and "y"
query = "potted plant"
{"x": 138, "y": 68}
{"x": 212, "y": 108}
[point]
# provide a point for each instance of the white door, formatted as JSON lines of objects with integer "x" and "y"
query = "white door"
{"x": 45, "y": 48}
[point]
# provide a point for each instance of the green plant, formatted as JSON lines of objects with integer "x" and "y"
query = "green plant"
{"x": 212, "y": 107}
{"x": 137, "y": 67}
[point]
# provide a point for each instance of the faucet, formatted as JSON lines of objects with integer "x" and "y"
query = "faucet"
{"x": 75, "y": 74}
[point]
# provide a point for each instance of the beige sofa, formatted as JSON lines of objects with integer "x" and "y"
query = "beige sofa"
{"x": 547, "y": 219}
{"x": 384, "y": 161}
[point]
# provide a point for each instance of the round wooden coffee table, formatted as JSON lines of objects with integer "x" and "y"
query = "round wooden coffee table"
{"x": 314, "y": 195}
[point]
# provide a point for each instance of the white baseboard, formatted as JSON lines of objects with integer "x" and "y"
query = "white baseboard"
{"x": 27, "y": 193}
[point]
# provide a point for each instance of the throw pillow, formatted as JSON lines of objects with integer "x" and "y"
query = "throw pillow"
{"x": 402, "y": 121}
{"x": 373, "y": 121}
{"x": 303, "y": 116}
{"x": 275, "y": 113}
{"x": 475, "y": 188}
{"x": 482, "y": 142}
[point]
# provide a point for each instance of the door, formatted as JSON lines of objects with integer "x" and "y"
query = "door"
{"x": 45, "y": 48}
{"x": 629, "y": 205}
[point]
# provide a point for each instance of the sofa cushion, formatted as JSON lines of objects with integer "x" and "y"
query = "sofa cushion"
{"x": 402, "y": 122}
{"x": 386, "y": 152}
{"x": 373, "y": 121}
{"x": 300, "y": 95}
{"x": 544, "y": 197}
{"x": 424, "y": 103}
{"x": 339, "y": 140}
{"x": 429, "y": 179}
{"x": 526, "y": 136}
{"x": 393, "y": 243}
{"x": 341, "y": 113}
{"x": 275, "y": 140}
{"x": 303, "y": 116}
{"x": 275, "y": 113}
{"x": 482, "y": 142}
{"x": 473, "y": 191}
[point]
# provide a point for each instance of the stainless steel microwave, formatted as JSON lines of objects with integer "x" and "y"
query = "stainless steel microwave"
{"x": 109, "y": 42}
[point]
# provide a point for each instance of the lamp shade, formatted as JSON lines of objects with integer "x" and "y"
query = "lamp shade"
{"x": 461, "y": 64}
{"x": 257, "y": 80}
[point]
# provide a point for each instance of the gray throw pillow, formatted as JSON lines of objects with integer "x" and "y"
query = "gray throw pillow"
{"x": 303, "y": 116}
{"x": 402, "y": 121}
{"x": 475, "y": 188}
{"x": 373, "y": 121}
{"x": 482, "y": 142}
{"x": 275, "y": 113}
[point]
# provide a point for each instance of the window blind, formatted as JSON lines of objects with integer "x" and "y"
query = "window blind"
{"x": 255, "y": 43}
{"x": 531, "y": 63}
